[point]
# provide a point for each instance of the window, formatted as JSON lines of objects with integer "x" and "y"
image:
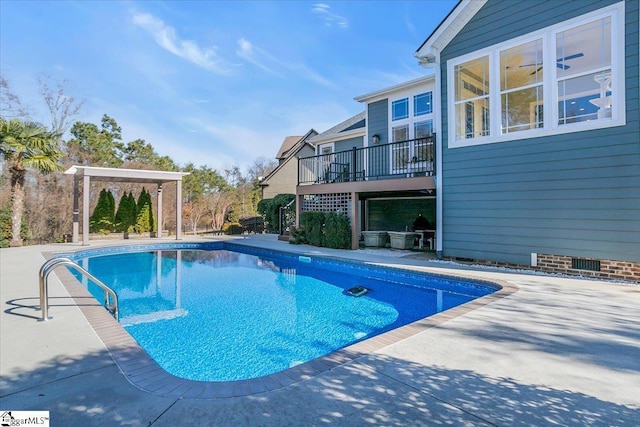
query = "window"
{"x": 411, "y": 117}
{"x": 521, "y": 70}
{"x": 400, "y": 152}
{"x": 324, "y": 161}
{"x": 565, "y": 78}
{"x": 422, "y": 104}
{"x": 400, "y": 109}
{"x": 422, "y": 147}
{"x": 471, "y": 96}
{"x": 423, "y": 129}
{"x": 584, "y": 72}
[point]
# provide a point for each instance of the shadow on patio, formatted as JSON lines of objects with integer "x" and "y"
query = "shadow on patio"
{"x": 395, "y": 393}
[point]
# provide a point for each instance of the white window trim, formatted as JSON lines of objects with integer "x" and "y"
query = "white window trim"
{"x": 320, "y": 146}
{"x": 550, "y": 89}
{"x": 411, "y": 119}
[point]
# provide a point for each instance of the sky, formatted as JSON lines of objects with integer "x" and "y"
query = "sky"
{"x": 215, "y": 83}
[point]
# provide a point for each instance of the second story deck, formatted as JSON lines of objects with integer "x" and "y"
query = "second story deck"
{"x": 403, "y": 159}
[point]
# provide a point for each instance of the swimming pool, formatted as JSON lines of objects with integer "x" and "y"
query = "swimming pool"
{"x": 226, "y": 312}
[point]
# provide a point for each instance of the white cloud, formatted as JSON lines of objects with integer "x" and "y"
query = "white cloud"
{"x": 267, "y": 62}
{"x": 166, "y": 37}
{"x": 330, "y": 19}
{"x": 256, "y": 56}
{"x": 312, "y": 75}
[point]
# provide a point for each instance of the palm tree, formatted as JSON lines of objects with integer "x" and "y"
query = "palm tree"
{"x": 25, "y": 144}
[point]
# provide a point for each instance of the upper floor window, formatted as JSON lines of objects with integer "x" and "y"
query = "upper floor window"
{"x": 584, "y": 72}
{"x": 565, "y": 78}
{"x": 400, "y": 109}
{"x": 521, "y": 71}
{"x": 472, "y": 98}
{"x": 422, "y": 104}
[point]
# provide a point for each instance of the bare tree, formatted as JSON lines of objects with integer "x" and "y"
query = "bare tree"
{"x": 10, "y": 105}
{"x": 61, "y": 104}
{"x": 219, "y": 203}
{"x": 193, "y": 212}
{"x": 260, "y": 168}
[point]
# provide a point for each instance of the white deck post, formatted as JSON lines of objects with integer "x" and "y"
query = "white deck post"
{"x": 355, "y": 223}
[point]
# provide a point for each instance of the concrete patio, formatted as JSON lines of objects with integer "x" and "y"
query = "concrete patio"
{"x": 558, "y": 351}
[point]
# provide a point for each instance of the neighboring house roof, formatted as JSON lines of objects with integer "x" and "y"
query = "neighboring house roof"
{"x": 447, "y": 30}
{"x": 353, "y": 126}
{"x": 289, "y": 150}
{"x": 290, "y": 144}
{"x": 287, "y": 145}
{"x": 384, "y": 93}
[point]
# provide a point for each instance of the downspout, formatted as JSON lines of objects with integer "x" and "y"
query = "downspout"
{"x": 433, "y": 62}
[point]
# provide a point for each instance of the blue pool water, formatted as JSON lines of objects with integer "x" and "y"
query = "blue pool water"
{"x": 220, "y": 312}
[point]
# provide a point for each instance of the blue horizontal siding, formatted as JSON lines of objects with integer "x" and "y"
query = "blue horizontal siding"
{"x": 575, "y": 194}
{"x": 348, "y": 144}
{"x": 378, "y": 120}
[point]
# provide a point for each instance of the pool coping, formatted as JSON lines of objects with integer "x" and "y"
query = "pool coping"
{"x": 144, "y": 373}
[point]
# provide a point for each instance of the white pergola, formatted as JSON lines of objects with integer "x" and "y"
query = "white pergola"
{"x": 88, "y": 173}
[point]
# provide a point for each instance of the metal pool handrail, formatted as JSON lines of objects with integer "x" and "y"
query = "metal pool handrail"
{"x": 50, "y": 265}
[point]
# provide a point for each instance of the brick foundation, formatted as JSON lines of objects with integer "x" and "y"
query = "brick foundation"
{"x": 609, "y": 269}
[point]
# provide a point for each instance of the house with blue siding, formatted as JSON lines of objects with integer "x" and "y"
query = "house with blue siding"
{"x": 376, "y": 167}
{"x": 538, "y": 141}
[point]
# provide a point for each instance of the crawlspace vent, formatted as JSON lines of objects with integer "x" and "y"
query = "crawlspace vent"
{"x": 585, "y": 264}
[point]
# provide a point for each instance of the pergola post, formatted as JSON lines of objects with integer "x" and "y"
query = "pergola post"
{"x": 159, "y": 225}
{"x": 76, "y": 210}
{"x": 86, "y": 187}
{"x": 178, "y": 210}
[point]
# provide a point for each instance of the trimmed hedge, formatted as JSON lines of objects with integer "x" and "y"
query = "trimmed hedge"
{"x": 331, "y": 230}
{"x": 337, "y": 231}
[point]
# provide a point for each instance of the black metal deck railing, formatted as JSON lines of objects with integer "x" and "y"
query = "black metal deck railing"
{"x": 414, "y": 157}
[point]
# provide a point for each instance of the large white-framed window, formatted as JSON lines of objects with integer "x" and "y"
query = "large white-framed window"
{"x": 585, "y": 89}
{"x": 411, "y": 119}
{"x": 568, "y": 77}
{"x": 521, "y": 87}
{"x": 472, "y": 91}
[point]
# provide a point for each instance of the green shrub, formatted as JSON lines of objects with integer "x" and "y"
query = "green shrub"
{"x": 331, "y": 230}
{"x": 5, "y": 226}
{"x": 101, "y": 221}
{"x": 313, "y": 224}
{"x": 126, "y": 214}
{"x": 232, "y": 228}
{"x": 142, "y": 224}
{"x": 337, "y": 231}
{"x": 144, "y": 218}
{"x": 298, "y": 236}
